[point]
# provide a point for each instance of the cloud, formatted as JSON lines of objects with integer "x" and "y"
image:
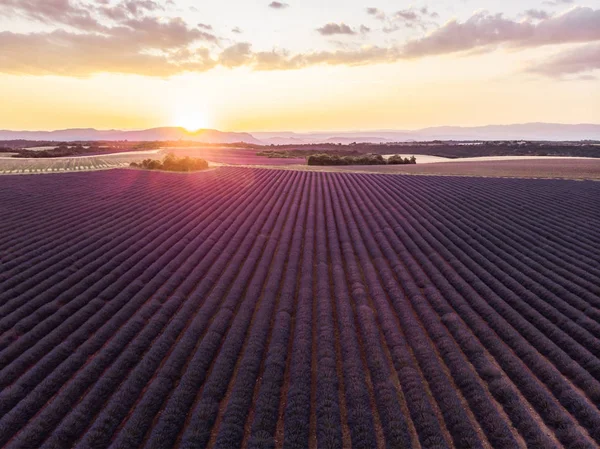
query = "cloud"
{"x": 151, "y": 32}
{"x": 278, "y": 5}
{"x": 578, "y": 60}
{"x": 236, "y": 55}
{"x": 425, "y": 11}
{"x": 331, "y": 29}
{"x": 273, "y": 60}
{"x": 407, "y": 15}
{"x": 580, "y": 24}
{"x": 242, "y": 54}
{"x": 77, "y": 14}
{"x": 62, "y": 12}
{"x": 405, "y": 18}
{"x": 73, "y": 54}
{"x": 145, "y": 45}
{"x": 135, "y": 40}
{"x": 84, "y": 16}
{"x": 362, "y": 56}
{"x": 236, "y": 30}
{"x": 132, "y": 40}
{"x": 536, "y": 14}
{"x": 483, "y": 30}
{"x": 377, "y": 13}
{"x": 137, "y": 7}
{"x": 558, "y": 2}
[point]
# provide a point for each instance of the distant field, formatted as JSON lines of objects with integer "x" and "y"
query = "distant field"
{"x": 233, "y": 156}
{"x": 512, "y": 166}
{"x": 216, "y": 156}
{"x": 426, "y": 159}
{"x": 567, "y": 168}
{"x": 256, "y": 308}
{"x": 10, "y": 165}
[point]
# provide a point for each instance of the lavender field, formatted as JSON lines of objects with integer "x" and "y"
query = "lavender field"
{"x": 263, "y": 308}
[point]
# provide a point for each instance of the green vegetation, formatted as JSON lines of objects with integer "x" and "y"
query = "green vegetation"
{"x": 311, "y": 151}
{"x": 276, "y": 154}
{"x": 363, "y": 159}
{"x": 62, "y": 150}
{"x": 67, "y": 149}
{"x": 338, "y": 157}
{"x": 399, "y": 160}
{"x": 172, "y": 163}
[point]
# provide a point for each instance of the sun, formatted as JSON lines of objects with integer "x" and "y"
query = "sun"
{"x": 192, "y": 118}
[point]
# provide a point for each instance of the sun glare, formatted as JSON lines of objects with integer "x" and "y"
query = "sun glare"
{"x": 192, "y": 118}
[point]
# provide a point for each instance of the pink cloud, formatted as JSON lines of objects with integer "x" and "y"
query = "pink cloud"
{"x": 578, "y": 60}
{"x": 63, "y": 12}
{"x": 331, "y": 29}
{"x": 64, "y": 53}
{"x": 136, "y": 41}
{"x": 482, "y": 29}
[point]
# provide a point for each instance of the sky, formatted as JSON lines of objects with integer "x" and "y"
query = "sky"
{"x": 251, "y": 65}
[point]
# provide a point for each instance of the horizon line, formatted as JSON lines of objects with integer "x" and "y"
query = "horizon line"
{"x": 295, "y": 132}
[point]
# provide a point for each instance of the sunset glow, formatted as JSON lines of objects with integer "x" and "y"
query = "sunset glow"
{"x": 192, "y": 118}
{"x": 339, "y": 224}
{"x": 251, "y": 66}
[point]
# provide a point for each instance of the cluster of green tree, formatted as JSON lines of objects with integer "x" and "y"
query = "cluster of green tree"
{"x": 276, "y": 154}
{"x": 10, "y": 146}
{"x": 172, "y": 163}
{"x": 66, "y": 149}
{"x": 363, "y": 159}
{"x": 396, "y": 159}
{"x": 140, "y": 146}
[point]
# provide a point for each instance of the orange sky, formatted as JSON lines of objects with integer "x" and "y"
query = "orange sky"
{"x": 339, "y": 68}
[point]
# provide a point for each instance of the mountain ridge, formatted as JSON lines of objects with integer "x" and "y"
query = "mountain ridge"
{"x": 522, "y": 131}
{"x": 151, "y": 134}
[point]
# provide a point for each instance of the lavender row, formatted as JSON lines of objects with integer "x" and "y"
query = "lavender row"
{"x": 286, "y": 309}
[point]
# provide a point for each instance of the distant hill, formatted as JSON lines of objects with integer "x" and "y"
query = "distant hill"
{"x": 165, "y": 133}
{"x": 527, "y": 131}
{"x": 345, "y": 138}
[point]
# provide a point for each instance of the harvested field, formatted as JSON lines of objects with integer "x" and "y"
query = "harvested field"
{"x": 259, "y": 308}
{"x": 12, "y": 166}
{"x": 426, "y": 159}
{"x": 561, "y": 168}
